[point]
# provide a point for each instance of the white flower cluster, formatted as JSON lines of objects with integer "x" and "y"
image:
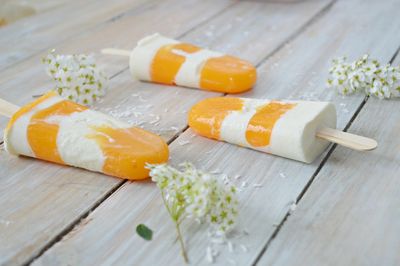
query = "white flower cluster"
{"x": 365, "y": 75}
{"x": 191, "y": 193}
{"x": 77, "y": 77}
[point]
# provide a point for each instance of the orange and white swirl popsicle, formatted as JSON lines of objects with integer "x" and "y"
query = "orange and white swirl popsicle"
{"x": 297, "y": 130}
{"x": 167, "y": 61}
{"x": 64, "y": 132}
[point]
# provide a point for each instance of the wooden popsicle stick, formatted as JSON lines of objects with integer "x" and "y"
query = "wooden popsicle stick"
{"x": 7, "y": 109}
{"x": 349, "y": 140}
{"x": 113, "y": 51}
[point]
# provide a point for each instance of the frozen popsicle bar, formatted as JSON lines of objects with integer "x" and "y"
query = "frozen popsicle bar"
{"x": 284, "y": 128}
{"x": 167, "y": 61}
{"x": 64, "y": 132}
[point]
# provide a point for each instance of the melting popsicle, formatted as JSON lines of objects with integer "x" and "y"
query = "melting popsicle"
{"x": 64, "y": 132}
{"x": 297, "y": 130}
{"x": 167, "y": 61}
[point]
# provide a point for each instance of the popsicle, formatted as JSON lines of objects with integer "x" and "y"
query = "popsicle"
{"x": 60, "y": 131}
{"x": 298, "y": 130}
{"x": 167, "y": 61}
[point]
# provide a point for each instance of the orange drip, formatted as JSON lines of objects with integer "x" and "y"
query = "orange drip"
{"x": 206, "y": 116}
{"x": 27, "y": 108}
{"x": 260, "y": 126}
{"x": 166, "y": 63}
{"x": 42, "y": 136}
{"x": 227, "y": 74}
{"x": 128, "y": 150}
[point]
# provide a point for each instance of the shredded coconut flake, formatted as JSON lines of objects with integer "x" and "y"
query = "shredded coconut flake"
{"x": 232, "y": 262}
{"x": 210, "y": 257}
{"x": 183, "y": 142}
{"x": 237, "y": 177}
{"x": 244, "y": 248}
{"x": 292, "y": 207}
{"x": 230, "y": 247}
{"x": 5, "y": 222}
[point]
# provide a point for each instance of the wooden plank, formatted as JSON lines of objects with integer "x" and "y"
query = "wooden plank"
{"x": 26, "y": 234}
{"x": 350, "y": 213}
{"x": 39, "y": 200}
{"x": 31, "y": 72}
{"x": 41, "y": 32}
{"x": 108, "y": 218}
{"x": 125, "y": 99}
{"x": 46, "y": 5}
{"x": 305, "y": 62}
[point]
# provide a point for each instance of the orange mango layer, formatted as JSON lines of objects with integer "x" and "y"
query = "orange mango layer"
{"x": 42, "y": 136}
{"x": 126, "y": 150}
{"x": 225, "y": 73}
{"x": 207, "y": 116}
{"x": 166, "y": 63}
{"x": 259, "y": 129}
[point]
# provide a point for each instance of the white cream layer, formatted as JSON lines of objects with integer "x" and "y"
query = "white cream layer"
{"x": 143, "y": 54}
{"x": 16, "y": 139}
{"x": 234, "y": 126}
{"x": 74, "y": 147}
{"x": 189, "y": 73}
{"x": 294, "y": 134}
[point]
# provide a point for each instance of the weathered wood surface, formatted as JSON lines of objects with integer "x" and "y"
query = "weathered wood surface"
{"x": 46, "y": 5}
{"x": 298, "y": 70}
{"x": 15, "y": 80}
{"x": 25, "y": 234}
{"x": 40, "y": 202}
{"x": 350, "y": 214}
{"x": 42, "y": 31}
{"x": 125, "y": 96}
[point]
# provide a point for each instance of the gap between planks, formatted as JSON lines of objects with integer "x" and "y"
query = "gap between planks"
{"x": 130, "y": 11}
{"x": 315, "y": 174}
{"x": 274, "y": 51}
{"x": 295, "y": 34}
{"x": 80, "y": 218}
{"x": 291, "y": 37}
{"x": 187, "y": 32}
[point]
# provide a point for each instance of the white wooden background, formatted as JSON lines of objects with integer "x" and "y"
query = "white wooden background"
{"x": 348, "y": 204}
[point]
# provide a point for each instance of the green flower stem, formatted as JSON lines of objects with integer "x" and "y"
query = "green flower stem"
{"x": 178, "y": 229}
{"x": 184, "y": 254}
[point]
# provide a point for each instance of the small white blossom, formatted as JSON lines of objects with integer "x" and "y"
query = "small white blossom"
{"x": 194, "y": 194}
{"x": 197, "y": 195}
{"x": 364, "y": 75}
{"x": 76, "y": 77}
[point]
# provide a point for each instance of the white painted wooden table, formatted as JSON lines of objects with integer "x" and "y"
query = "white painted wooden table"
{"x": 348, "y": 203}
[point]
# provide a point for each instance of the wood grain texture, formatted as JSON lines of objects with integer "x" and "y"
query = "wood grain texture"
{"x": 7, "y": 109}
{"x": 350, "y": 213}
{"x": 46, "y": 5}
{"x": 31, "y": 74}
{"x": 40, "y": 199}
{"x": 125, "y": 241}
{"x": 305, "y": 62}
{"x": 35, "y": 216}
{"x": 42, "y": 31}
{"x": 352, "y": 141}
